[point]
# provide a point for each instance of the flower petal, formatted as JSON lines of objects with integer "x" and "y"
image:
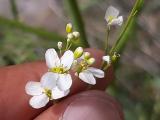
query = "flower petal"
{"x": 87, "y": 77}
{"x": 39, "y": 101}
{"x": 57, "y": 93}
{"x": 96, "y": 72}
{"x": 117, "y": 21}
{"x": 67, "y": 59}
{"x": 33, "y": 88}
{"x": 52, "y": 58}
{"x": 106, "y": 58}
{"x": 49, "y": 80}
{"x": 64, "y": 82}
{"x": 111, "y": 12}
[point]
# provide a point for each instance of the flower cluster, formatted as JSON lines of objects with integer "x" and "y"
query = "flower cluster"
{"x": 57, "y": 81}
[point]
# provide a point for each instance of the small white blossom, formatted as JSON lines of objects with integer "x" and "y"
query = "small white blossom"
{"x": 61, "y": 67}
{"x": 112, "y": 17}
{"x": 44, "y": 90}
{"x": 89, "y": 75}
{"x": 107, "y": 58}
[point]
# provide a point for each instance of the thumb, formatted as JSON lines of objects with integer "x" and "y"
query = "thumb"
{"x": 89, "y": 105}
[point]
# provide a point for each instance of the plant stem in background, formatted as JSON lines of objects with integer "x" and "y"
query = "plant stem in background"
{"x": 129, "y": 25}
{"x": 107, "y": 40}
{"x": 14, "y": 9}
{"x": 75, "y": 15}
{"x": 40, "y": 32}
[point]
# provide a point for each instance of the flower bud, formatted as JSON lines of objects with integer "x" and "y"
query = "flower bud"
{"x": 87, "y": 55}
{"x": 78, "y": 52}
{"x": 76, "y": 34}
{"x": 68, "y": 40}
{"x": 107, "y": 59}
{"x": 90, "y": 61}
{"x": 70, "y": 36}
{"x": 69, "y": 28}
{"x": 115, "y": 57}
{"x": 59, "y": 45}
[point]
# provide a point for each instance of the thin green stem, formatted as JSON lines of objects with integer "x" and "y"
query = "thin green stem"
{"x": 14, "y": 9}
{"x": 126, "y": 30}
{"x": 75, "y": 15}
{"x": 69, "y": 46}
{"x": 107, "y": 40}
{"x": 106, "y": 67}
{"x": 38, "y": 31}
{"x": 136, "y": 9}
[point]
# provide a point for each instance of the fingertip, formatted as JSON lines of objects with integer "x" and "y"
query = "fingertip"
{"x": 90, "y": 105}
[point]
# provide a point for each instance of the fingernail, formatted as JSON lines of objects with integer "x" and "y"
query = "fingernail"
{"x": 92, "y": 105}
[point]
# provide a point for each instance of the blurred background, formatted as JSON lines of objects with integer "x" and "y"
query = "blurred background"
{"x": 29, "y": 27}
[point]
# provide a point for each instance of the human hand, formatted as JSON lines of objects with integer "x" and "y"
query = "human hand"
{"x": 14, "y": 102}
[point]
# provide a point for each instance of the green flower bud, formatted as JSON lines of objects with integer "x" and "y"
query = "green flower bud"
{"x": 87, "y": 55}
{"x": 69, "y": 28}
{"x": 90, "y": 61}
{"x": 78, "y": 52}
{"x": 115, "y": 57}
{"x": 68, "y": 40}
{"x": 59, "y": 45}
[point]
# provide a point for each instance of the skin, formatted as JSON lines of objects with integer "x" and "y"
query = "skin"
{"x": 14, "y": 102}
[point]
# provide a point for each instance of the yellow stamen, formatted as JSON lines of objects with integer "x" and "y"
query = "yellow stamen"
{"x": 60, "y": 70}
{"x": 110, "y": 18}
{"x": 48, "y": 92}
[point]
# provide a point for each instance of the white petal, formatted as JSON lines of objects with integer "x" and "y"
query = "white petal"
{"x": 87, "y": 77}
{"x": 52, "y": 58}
{"x": 120, "y": 19}
{"x": 49, "y": 80}
{"x": 33, "y": 88}
{"x": 117, "y": 21}
{"x": 67, "y": 59}
{"x": 64, "y": 82}
{"x": 57, "y": 93}
{"x": 106, "y": 58}
{"x": 96, "y": 72}
{"x": 39, "y": 101}
{"x": 111, "y": 11}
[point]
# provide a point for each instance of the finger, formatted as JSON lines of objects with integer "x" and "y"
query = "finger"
{"x": 14, "y": 78}
{"x": 89, "y": 105}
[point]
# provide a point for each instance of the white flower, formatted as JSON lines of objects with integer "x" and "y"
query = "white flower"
{"x": 89, "y": 75}
{"x": 107, "y": 58}
{"x": 112, "y": 17}
{"x": 85, "y": 72}
{"x": 44, "y": 90}
{"x": 61, "y": 67}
